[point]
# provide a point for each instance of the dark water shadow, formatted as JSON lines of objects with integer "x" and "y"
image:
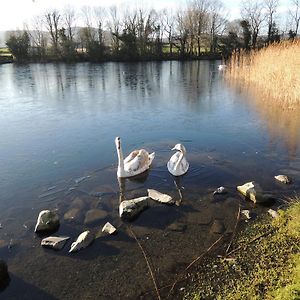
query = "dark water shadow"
{"x": 20, "y": 289}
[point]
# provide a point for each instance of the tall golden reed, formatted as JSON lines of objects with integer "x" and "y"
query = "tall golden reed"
{"x": 273, "y": 70}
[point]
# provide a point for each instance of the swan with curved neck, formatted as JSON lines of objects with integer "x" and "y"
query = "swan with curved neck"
{"x": 137, "y": 162}
{"x": 178, "y": 165}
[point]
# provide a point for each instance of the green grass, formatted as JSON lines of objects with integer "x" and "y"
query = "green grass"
{"x": 268, "y": 268}
{"x": 4, "y": 52}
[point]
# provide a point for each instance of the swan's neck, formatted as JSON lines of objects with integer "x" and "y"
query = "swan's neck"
{"x": 179, "y": 160}
{"x": 120, "y": 161}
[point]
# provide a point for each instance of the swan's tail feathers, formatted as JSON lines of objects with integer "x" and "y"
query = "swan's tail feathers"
{"x": 151, "y": 157}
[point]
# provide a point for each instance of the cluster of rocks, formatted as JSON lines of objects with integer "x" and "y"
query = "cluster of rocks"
{"x": 48, "y": 221}
{"x": 129, "y": 209}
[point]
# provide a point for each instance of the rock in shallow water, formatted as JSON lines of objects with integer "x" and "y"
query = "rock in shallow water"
{"x": 83, "y": 240}
{"x": 159, "y": 197}
{"x": 72, "y": 214}
{"x": 283, "y": 179}
{"x": 108, "y": 228}
{"x": 220, "y": 191}
{"x": 253, "y": 191}
{"x": 55, "y": 242}
{"x": 129, "y": 209}
{"x": 94, "y": 215}
{"x": 218, "y": 227}
{"x": 47, "y": 221}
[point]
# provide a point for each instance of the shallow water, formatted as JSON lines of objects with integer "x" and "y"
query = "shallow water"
{"x": 58, "y": 123}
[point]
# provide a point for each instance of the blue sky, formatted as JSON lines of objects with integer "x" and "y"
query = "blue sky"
{"x": 14, "y": 13}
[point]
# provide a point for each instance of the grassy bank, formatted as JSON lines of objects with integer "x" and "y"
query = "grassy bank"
{"x": 274, "y": 70}
{"x": 265, "y": 265}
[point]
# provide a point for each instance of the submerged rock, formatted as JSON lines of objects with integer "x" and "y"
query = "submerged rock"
{"x": 83, "y": 240}
{"x": 220, "y": 191}
{"x": 72, "y": 214}
{"x": 4, "y": 276}
{"x": 129, "y": 209}
{"x": 218, "y": 227}
{"x": 55, "y": 242}
{"x": 180, "y": 227}
{"x": 253, "y": 191}
{"x": 78, "y": 203}
{"x": 283, "y": 179}
{"x": 108, "y": 228}
{"x": 159, "y": 197}
{"x": 47, "y": 221}
{"x": 94, "y": 216}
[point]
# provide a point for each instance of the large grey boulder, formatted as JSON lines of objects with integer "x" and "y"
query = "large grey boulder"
{"x": 129, "y": 209}
{"x": 55, "y": 242}
{"x": 47, "y": 221}
{"x": 160, "y": 197}
{"x": 253, "y": 191}
{"x": 83, "y": 240}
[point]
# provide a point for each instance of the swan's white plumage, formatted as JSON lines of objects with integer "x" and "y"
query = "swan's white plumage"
{"x": 178, "y": 165}
{"x": 137, "y": 162}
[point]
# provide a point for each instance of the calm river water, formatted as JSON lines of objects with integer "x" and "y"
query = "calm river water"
{"x": 58, "y": 123}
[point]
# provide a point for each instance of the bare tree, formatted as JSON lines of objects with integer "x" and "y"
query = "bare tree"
{"x": 200, "y": 9}
{"x": 99, "y": 15}
{"x": 52, "y": 20}
{"x": 37, "y": 37}
{"x": 271, "y": 8}
{"x": 252, "y": 10}
{"x": 69, "y": 18}
{"x": 168, "y": 23}
{"x": 217, "y": 22}
{"x": 294, "y": 13}
{"x": 114, "y": 25}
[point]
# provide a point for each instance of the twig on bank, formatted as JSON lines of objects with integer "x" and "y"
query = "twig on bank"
{"x": 234, "y": 231}
{"x": 252, "y": 241}
{"x": 191, "y": 264}
{"x": 147, "y": 261}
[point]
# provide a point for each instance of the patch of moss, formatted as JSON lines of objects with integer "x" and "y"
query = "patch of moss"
{"x": 265, "y": 266}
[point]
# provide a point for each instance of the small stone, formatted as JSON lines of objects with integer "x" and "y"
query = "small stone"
{"x": 220, "y": 191}
{"x": 83, "y": 241}
{"x": 72, "y": 214}
{"x": 218, "y": 227}
{"x": 94, "y": 216}
{"x": 162, "y": 198}
{"x": 180, "y": 227}
{"x": 246, "y": 213}
{"x": 129, "y": 209}
{"x": 47, "y": 221}
{"x": 283, "y": 179}
{"x": 55, "y": 242}
{"x": 108, "y": 228}
{"x": 273, "y": 213}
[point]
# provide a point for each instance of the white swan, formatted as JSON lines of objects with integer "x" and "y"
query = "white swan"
{"x": 178, "y": 165}
{"x": 137, "y": 162}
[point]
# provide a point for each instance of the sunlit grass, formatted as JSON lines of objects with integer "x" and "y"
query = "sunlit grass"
{"x": 269, "y": 268}
{"x": 274, "y": 70}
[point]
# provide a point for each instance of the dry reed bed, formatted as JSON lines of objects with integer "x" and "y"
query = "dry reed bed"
{"x": 274, "y": 70}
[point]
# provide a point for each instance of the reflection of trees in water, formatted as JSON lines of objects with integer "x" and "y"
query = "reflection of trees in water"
{"x": 282, "y": 122}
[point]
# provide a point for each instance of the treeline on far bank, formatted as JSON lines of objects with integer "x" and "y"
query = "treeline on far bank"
{"x": 200, "y": 30}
